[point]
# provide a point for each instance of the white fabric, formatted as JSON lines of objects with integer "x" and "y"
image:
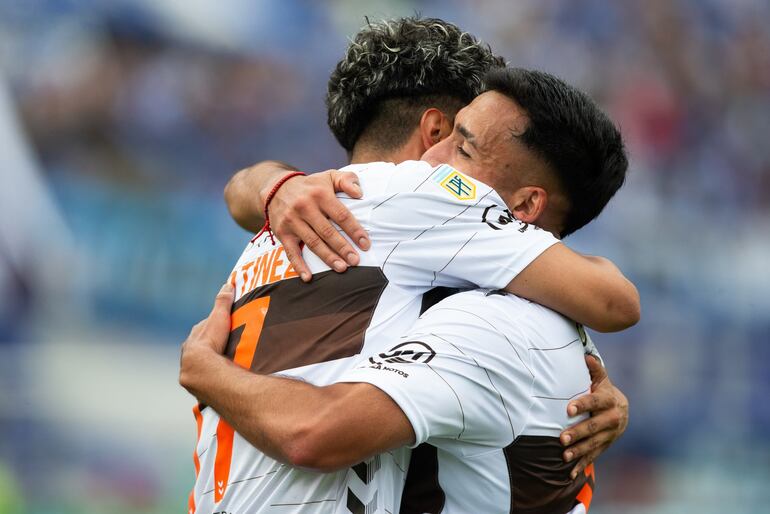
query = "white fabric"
{"x": 423, "y": 235}
{"x": 497, "y": 367}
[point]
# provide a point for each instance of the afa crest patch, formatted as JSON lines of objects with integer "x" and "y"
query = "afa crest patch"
{"x": 460, "y": 186}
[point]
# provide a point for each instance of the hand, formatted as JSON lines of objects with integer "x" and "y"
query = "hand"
{"x": 608, "y": 407}
{"x": 209, "y": 335}
{"x": 300, "y": 212}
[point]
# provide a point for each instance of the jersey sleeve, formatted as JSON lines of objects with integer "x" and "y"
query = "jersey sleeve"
{"x": 447, "y": 384}
{"x": 441, "y": 228}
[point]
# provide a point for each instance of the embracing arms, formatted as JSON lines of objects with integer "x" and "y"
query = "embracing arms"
{"x": 318, "y": 428}
{"x": 303, "y": 208}
{"x": 300, "y": 211}
{"x": 587, "y": 289}
{"x": 333, "y": 427}
{"x": 590, "y": 290}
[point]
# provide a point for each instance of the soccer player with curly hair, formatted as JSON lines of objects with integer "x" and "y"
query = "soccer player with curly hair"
{"x": 436, "y": 224}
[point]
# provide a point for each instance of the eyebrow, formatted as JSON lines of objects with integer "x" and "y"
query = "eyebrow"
{"x": 467, "y": 135}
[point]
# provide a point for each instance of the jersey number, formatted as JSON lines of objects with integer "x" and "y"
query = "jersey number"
{"x": 250, "y": 316}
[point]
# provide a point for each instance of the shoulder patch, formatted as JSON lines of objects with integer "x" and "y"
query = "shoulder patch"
{"x": 460, "y": 186}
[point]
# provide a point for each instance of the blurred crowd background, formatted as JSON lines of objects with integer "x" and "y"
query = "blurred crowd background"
{"x": 121, "y": 121}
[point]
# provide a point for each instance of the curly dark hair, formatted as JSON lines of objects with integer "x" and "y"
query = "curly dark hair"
{"x": 395, "y": 69}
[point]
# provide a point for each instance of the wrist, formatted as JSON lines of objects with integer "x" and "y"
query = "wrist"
{"x": 269, "y": 198}
{"x": 264, "y": 193}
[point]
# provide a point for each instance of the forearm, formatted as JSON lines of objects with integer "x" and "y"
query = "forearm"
{"x": 589, "y": 290}
{"x": 319, "y": 428}
{"x": 622, "y": 302}
{"x": 244, "y": 193}
{"x": 274, "y": 414}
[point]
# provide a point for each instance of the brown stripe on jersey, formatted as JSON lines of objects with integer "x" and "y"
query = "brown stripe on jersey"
{"x": 540, "y": 481}
{"x": 311, "y": 323}
{"x": 422, "y": 491}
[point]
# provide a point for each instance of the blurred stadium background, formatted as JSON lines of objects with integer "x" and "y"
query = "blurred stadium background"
{"x": 121, "y": 121}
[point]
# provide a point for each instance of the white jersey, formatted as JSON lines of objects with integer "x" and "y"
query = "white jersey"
{"x": 429, "y": 227}
{"x": 484, "y": 378}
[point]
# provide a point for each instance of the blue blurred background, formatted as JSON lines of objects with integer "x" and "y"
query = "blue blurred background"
{"x": 121, "y": 121}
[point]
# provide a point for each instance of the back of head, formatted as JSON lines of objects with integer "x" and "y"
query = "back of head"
{"x": 577, "y": 141}
{"x": 393, "y": 70}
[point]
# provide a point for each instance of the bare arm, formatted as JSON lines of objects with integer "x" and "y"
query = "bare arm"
{"x": 242, "y": 192}
{"x": 589, "y": 290}
{"x": 302, "y": 211}
{"x": 320, "y": 428}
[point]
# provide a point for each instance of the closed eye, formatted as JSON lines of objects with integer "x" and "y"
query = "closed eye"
{"x": 463, "y": 152}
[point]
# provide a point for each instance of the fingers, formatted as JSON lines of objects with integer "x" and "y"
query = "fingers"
{"x": 329, "y": 234}
{"x": 595, "y": 369}
{"x": 581, "y": 431}
{"x": 583, "y": 463}
{"x": 587, "y": 450}
{"x": 596, "y": 432}
{"x": 600, "y": 399}
{"x": 348, "y": 183}
{"x": 307, "y": 209}
{"x": 293, "y": 250}
{"x": 224, "y": 298}
{"x": 302, "y": 231}
{"x": 340, "y": 215}
{"x": 196, "y": 329}
{"x": 588, "y": 403}
{"x": 218, "y": 322}
{"x": 609, "y": 417}
{"x": 587, "y": 447}
{"x": 223, "y": 304}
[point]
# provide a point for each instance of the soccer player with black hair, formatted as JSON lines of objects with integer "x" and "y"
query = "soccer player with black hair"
{"x": 577, "y": 152}
{"x": 430, "y": 224}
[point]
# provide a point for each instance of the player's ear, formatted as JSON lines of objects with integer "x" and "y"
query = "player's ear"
{"x": 528, "y": 203}
{"x": 434, "y": 126}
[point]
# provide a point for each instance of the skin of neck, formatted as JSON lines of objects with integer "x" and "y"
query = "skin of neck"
{"x": 411, "y": 150}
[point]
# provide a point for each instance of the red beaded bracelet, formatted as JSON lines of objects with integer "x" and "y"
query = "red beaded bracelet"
{"x": 270, "y": 195}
